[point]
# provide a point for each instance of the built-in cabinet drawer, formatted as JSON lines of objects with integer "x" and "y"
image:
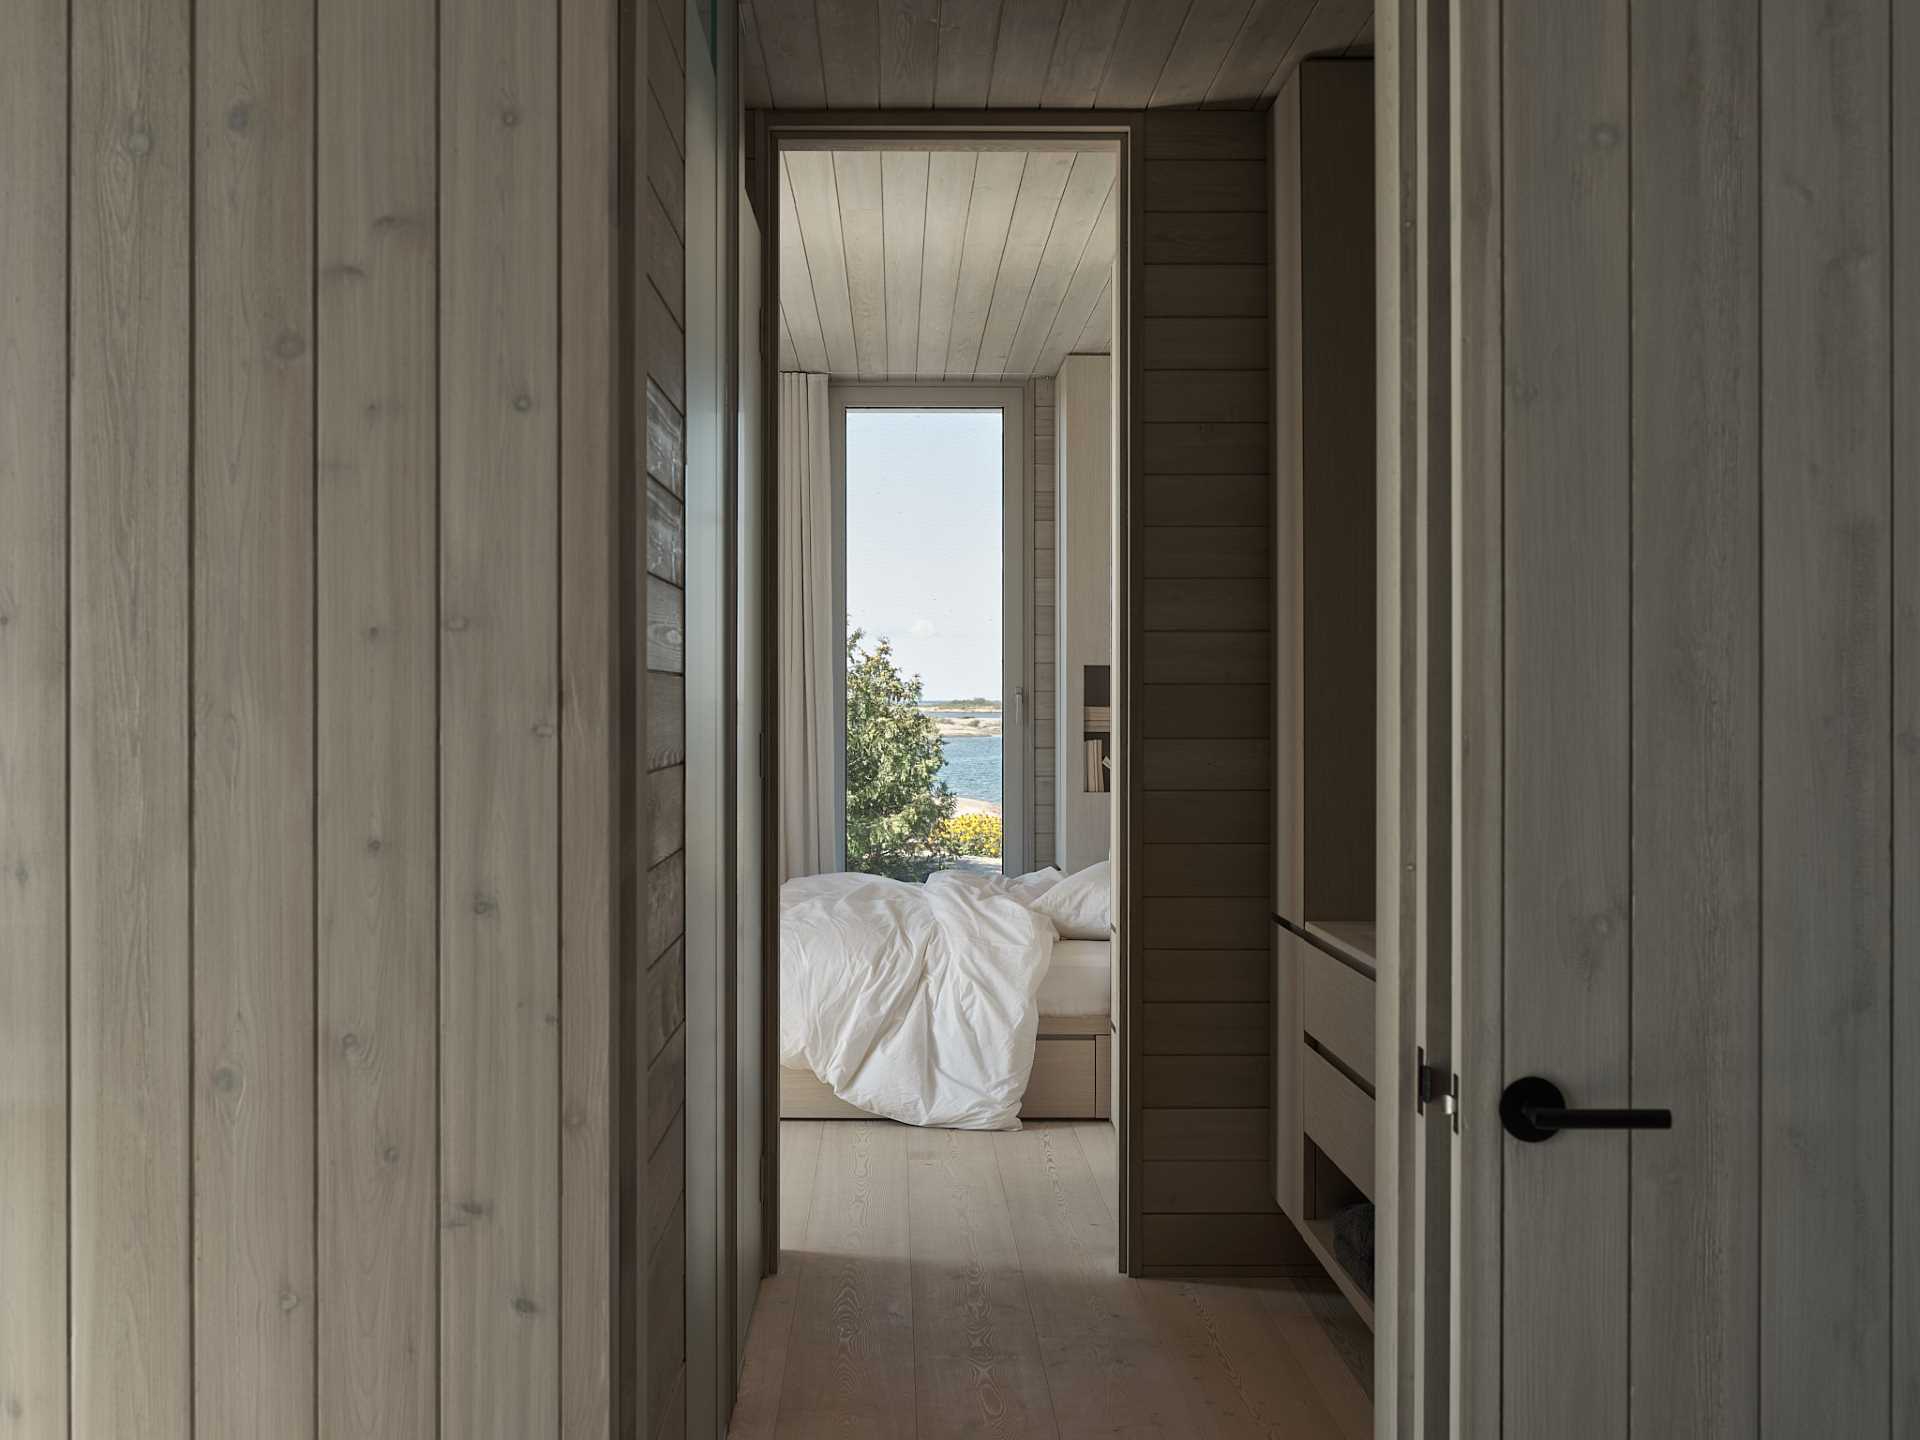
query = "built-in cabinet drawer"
{"x": 1065, "y": 1080}
{"x": 1339, "y": 1010}
{"x": 1339, "y": 1119}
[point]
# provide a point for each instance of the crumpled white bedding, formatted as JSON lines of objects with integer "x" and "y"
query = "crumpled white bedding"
{"x": 917, "y": 1002}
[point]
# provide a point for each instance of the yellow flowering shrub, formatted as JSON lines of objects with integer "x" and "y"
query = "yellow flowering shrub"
{"x": 973, "y": 834}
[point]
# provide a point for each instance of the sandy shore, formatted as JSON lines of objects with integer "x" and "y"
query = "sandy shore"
{"x": 952, "y": 726}
{"x": 964, "y": 806}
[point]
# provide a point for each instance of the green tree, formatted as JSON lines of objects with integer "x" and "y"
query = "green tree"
{"x": 896, "y": 804}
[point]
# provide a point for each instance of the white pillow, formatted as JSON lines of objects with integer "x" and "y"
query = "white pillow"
{"x": 1081, "y": 906}
{"x": 1035, "y": 883}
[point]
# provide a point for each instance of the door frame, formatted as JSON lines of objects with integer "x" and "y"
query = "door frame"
{"x": 1016, "y": 594}
{"x": 711, "y": 639}
{"x": 1425, "y": 647}
{"x": 772, "y": 133}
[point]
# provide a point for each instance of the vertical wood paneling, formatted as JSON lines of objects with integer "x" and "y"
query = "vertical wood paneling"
{"x": 1567, "y": 551}
{"x": 1905, "y": 1349}
{"x": 33, "y": 720}
{"x": 1825, "y": 817}
{"x": 499, "y": 768}
{"x": 1771, "y": 1277}
{"x": 376, "y": 718}
{"x": 1696, "y": 716}
{"x": 288, "y": 643}
{"x": 590, "y": 733}
{"x": 129, "y": 644}
{"x": 253, "y": 698}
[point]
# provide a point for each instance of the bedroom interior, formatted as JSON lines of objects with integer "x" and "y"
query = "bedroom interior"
{"x": 917, "y": 279}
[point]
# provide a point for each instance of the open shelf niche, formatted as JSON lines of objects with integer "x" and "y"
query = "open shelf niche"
{"x": 1325, "y": 613}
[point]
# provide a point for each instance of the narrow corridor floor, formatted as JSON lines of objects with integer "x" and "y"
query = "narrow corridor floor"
{"x": 942, "y": 1283}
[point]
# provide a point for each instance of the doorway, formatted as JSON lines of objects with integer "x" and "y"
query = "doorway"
{"x": 992, "y": 1269}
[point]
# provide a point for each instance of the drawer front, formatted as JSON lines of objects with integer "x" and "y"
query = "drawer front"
{"x": 1065, "y": 1083}
{"x": 1339, "y": 1120}
{"x": 1339, "y": 1010}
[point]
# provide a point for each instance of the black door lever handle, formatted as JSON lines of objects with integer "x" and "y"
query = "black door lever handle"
{"x": 1533, "y": 1110}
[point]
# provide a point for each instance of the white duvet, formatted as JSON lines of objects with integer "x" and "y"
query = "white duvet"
{"x": 917, "y": 1002}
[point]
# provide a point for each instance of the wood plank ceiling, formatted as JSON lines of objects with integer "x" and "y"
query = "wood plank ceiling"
{"x": 1029, "y": 54}
{"x": 945, "y": 265}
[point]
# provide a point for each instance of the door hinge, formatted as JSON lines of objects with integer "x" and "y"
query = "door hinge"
{"x": 1427, "y": 1086}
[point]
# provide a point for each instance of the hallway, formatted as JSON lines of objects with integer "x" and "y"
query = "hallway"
{"x": 939, "y": 1283}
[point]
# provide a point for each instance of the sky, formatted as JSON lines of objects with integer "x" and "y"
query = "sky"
{"x": 923, "y": 542}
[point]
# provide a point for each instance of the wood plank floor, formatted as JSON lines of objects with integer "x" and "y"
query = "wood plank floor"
{"x": 942, "y": 1283}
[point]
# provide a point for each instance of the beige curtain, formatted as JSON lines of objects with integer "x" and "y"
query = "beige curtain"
{"x": 809, "y": 804}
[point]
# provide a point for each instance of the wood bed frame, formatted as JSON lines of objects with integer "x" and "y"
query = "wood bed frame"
{"x": 1072, "y": 1077}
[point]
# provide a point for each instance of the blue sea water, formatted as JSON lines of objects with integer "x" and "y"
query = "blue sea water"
{"x": 973, "y": 766}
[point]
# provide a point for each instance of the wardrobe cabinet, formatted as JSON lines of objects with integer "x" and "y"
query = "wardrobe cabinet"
{"x": 1324, "y": 656}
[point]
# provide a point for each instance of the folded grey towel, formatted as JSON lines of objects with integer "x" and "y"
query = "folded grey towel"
{"x": 1353, "y": 1244}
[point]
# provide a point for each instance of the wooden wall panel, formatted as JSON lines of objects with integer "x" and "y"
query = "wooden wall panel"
{"x": 499, "y": 763}
{"x": 592, "y": 759}
{"x": 309, "y": 638}
{"x": 253, "y": 697}
{"x": 129, "y": 601}
{"x": 1905, "y": 1278}
{"x": 1202, "y": 576}
{"x": 1696, "y": 723}
{"x": 33, "y": 719}
{"x": 377, "y": 720}
{"x": 1567, "y": 546}
{"x": 1825, "y": 819}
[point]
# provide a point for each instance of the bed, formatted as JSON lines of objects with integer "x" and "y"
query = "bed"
{"x": 1072, "y": 1075}
{"x": 953, "y": 1003}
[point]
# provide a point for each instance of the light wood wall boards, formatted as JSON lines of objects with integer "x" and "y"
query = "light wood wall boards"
{"x": 1201, "y": 571}
{"x": 34, "y": 1124}
{"x": 310, "y": 729}
{"x": 1684, "y": 377}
